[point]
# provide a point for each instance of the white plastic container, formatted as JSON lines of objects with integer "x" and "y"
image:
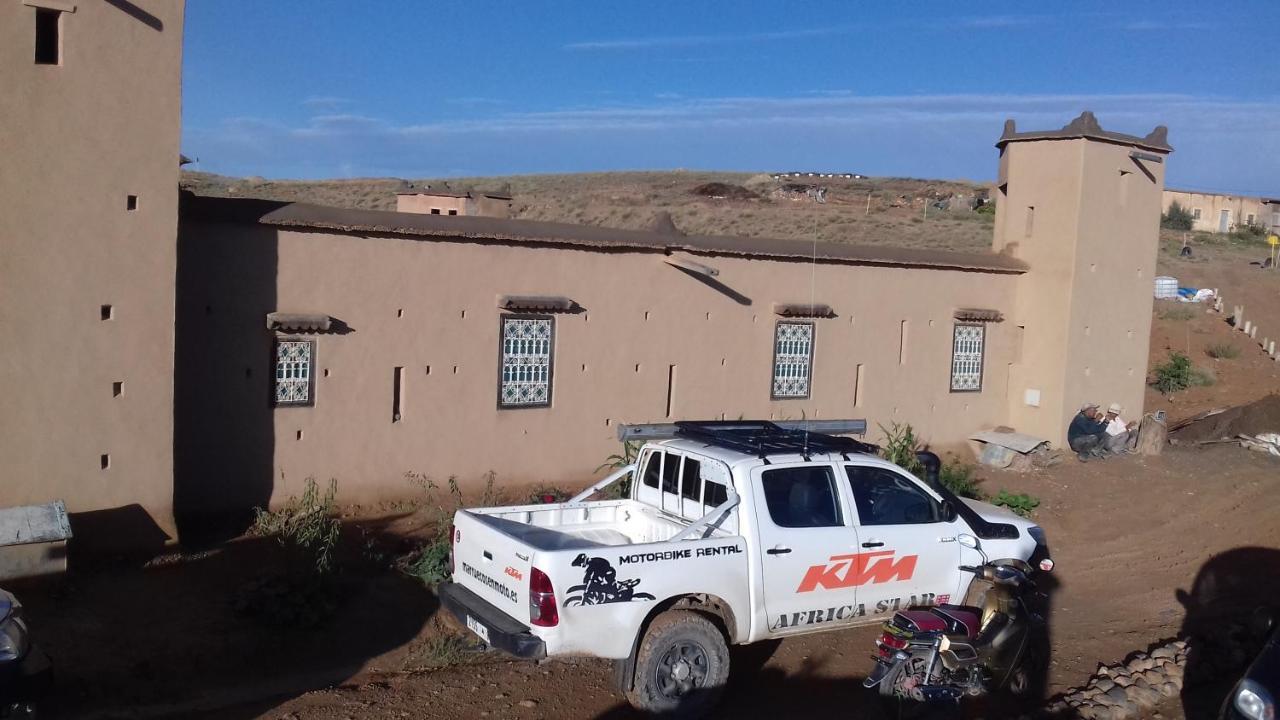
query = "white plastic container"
{"x": 1166, "y": 287}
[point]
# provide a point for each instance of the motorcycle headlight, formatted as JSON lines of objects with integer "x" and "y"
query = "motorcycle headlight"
{"x": 13, "y": 638}
{"x": 1253, "y": 701}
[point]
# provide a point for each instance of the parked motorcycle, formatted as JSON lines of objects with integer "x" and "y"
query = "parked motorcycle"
{"x": 937, "y": 655}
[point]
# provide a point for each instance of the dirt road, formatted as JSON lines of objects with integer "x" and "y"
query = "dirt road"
{"x": 1126, "y": 534}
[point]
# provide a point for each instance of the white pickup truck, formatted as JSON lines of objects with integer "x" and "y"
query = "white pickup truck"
{"x": 732, "y": 533}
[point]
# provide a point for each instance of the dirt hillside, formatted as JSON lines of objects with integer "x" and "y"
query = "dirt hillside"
{"x": 887, "y": 211}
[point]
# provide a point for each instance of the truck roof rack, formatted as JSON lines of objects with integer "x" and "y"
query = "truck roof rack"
{"x": 760, "y": 437}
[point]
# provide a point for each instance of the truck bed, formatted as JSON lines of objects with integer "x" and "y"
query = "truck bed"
{"x": 570, "y": 526}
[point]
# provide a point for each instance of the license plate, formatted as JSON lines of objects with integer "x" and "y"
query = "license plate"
{"x": 476, "y": 627}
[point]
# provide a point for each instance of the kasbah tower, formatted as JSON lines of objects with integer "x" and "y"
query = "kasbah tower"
{"x": 1081, "y": 206}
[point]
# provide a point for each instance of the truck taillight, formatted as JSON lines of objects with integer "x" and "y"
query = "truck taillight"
{"x": 542, "y": 600}
{"x": 455, "y": 535}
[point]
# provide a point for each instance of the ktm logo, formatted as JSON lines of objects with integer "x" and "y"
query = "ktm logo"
{"x": 843, "y": 571}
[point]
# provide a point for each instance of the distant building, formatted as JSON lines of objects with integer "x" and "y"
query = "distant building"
{"x": 447, "y": 201}
{"x": 1222, "y": 213}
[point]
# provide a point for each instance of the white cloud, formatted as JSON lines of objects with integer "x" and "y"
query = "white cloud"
{"x": 326, "y": 103}
{"x": 644, "y": 43}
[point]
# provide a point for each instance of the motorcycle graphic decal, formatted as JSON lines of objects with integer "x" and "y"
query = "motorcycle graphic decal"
{"x": 600, "y": 584}
{"x": 844, "y": 571}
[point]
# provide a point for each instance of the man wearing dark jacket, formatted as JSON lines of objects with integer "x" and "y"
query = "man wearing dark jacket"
{"x": 1087, "y": 433}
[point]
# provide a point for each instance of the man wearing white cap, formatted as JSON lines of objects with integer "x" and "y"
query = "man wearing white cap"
{"x": 1087, "y": 434}
{"x": 1121, "y": 436}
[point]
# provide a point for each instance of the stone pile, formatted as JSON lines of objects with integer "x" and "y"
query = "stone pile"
{"x": 1130, "y": 689}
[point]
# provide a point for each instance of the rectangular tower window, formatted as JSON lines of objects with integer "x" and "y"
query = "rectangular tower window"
{"x": 966, "y": 358}
{"x": 902, "y": 342}
{"x": 397, "y": 394}
{"x": 671, "y": 389}
{"x": 131, "y": 202}
{"x": 1031, "y": 220}
{"x": 294, "y": 376}
{"x": 525, "y": 363}
{"x": 792, "y": 359}
{"x": 48, "y": 36}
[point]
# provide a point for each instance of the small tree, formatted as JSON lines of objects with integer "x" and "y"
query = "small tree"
{"x": 1177, "y": 218}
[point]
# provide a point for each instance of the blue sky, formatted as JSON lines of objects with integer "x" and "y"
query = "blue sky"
{"x": 330, "y": 88}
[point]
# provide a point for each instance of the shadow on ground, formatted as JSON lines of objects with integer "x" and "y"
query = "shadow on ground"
{"x": 1219, "y": 608}
{"x": 168, "y": 637}
{"x": 756, "y": 691}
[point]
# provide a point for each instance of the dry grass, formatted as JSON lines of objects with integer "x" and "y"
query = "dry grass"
{"x": 901, "y": 211}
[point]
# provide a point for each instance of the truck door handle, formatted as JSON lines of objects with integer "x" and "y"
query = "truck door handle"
{"x": 779, "y": 550}
{"x": 872, "y": 544}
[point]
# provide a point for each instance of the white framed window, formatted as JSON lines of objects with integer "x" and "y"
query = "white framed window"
{"x": 295, "y": 376}
{"x": 526, "y": 361}
{"x": 792, "y": 359}
{"x": 966, "y": 357}
{"x": 1249, "y": 220}
{"x": 1195, "y": 213}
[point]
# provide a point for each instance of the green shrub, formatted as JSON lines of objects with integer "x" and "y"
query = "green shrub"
{"x": 307, "y": 524}
{"x": 988, "y": 208}
{"x": 1178, "y": 312}
{"x": 547, "y": 494}
{"x": 959, "y": 479}
{"x": 900, "y": 446}
{"x": 1177, "y": 218}
{"x": 430, "y": 561}
{"x": 1222, "y": 351}
{"x": 1021, "y": 503}
{"x": 629, "y": 455}
{"x": 1174, "y": 375}
{"x": 1248, "y": 233}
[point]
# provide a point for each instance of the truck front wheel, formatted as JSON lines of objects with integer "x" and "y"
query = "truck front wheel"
{"x": 681, "y": 666}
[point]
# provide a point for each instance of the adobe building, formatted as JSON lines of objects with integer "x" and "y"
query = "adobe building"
{"x": 446, "y": 201}
{"x": 1222, "y": 213}
{"x": 89, "y": 173}
{"x": 365, "y": 345}
{"x": 463, "y": 346}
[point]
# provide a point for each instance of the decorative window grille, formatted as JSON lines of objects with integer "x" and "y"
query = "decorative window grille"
{"x": 792, "y": 359}
{"x": 966, "y": 358}
{"x": 294, "y": 363}
{"x": 525, "y": 379}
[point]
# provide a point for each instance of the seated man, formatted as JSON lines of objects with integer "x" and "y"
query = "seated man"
{"x": 1121, "y": 436}
{"x": 1087, "y": 433}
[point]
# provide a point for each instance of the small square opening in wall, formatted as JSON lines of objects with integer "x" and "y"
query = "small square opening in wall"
{"x": 48, "y": 36}
{"x": 108, "y": 312}
{"x": 117, "y": 388}
{"x": 104, "y": 461}
{"x": 131, "y": 202}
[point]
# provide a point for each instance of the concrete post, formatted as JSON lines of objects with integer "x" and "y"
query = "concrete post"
{"x": 1253, "y": 332}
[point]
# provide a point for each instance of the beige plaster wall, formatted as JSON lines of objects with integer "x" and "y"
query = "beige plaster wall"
{"x": 424, "y": 204}
{"x": 430, "y": 304}
{"x": 75, "y": 140}
{"x": 1211, "y": 205}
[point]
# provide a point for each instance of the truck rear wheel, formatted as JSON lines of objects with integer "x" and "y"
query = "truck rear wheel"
{"x": 681, "y": 666}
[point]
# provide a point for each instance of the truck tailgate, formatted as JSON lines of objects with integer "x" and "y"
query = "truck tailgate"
{"x": 491, "y": 563}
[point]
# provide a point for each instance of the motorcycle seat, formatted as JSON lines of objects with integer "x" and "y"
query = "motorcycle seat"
{"x": 961, "y": 620}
